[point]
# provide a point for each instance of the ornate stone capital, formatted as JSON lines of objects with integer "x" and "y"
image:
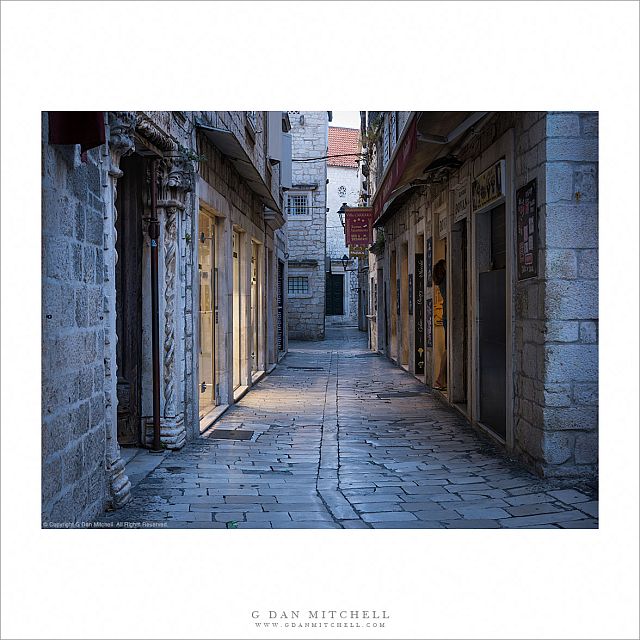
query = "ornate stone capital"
{"x": 180, "y": 174}
{"x": 175, "y": 180}
{"x": 121, "y": 128}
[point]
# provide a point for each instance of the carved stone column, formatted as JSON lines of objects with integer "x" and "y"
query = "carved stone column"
{"x": 176, "y": 181}
{"x": 120, "y": 143}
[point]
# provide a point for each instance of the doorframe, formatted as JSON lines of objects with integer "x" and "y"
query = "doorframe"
{"x": 502, "y": 149}
{"x": 219, "y": 290}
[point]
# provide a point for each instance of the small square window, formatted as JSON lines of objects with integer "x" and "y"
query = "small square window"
{"x": 298, "y": 204}
{"x": 298, "y": 284}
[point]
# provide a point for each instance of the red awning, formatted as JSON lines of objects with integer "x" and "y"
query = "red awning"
{"x": 85, "y": 128}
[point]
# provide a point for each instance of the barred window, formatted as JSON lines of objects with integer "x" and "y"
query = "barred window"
{"x": 298, "y": 284}
{"x": 298, "y": 204}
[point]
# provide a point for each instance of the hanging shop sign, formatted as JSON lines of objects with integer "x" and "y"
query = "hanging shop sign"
{"x": 428, "y": 320}
{"x": 358, "y": 252}
{"x": 358, "y": 226}
{"x": 419, "y": 315}
{"x": 398, "y": 297}
{"x": 443, "y": 224}
{"x": 488, "y": 187}
{"x": 429, "y": 264}
{"x": 461, "y": 200}
{"x": 527, "y": 230}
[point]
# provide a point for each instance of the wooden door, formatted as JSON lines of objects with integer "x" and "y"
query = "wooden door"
{"x": 335, "y": 294}
{"x": 129, "y": 243}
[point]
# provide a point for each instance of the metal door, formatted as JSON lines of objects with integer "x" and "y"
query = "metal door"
{"x": 492, "y": 350}
{"x": 280, "y": 319}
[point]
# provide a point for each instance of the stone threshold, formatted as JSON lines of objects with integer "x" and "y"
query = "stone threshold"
{"x": 240, "y": 392}
{"x": 211, "y": 417}
{"x": 140, "y": 462}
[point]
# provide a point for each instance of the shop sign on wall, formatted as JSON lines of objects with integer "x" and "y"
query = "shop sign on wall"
{"x": 429, "y": 264}
{"x": 527, "y": 230}
{"x": 443, "y": 224}
{"x": 461, "y": 200}
{"x": 488, "y": 186}
{"x": 398, "y": 296}
{"x": 419, "y": 316}
{"x": 429, "y": 322}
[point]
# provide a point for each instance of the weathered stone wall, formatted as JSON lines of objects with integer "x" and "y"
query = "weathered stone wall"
{"x": 347, "y": 178}
{"x": 555, "y": 315}
{"x": 307, "y": 234}
{"x": 570, "y": 305}
{"x": 74, "y": 485}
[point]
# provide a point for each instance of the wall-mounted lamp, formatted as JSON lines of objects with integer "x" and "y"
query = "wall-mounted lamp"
{"x": 341, "y": 213}
{"x": 345, "y": 261}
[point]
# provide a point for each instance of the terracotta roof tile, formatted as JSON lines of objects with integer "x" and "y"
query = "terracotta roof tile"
{"x": 342, "y": 141}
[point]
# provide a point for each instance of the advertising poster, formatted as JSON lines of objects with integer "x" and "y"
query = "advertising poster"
{"x": 527, "y": 230}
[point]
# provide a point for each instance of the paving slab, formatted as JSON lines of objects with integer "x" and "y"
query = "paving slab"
{"x": 355, "y": 442}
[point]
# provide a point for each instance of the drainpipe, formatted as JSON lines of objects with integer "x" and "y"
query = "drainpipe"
{"x": 154, "y": 234}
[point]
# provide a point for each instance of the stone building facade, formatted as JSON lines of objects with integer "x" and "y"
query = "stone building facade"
{"x": 97, "y": 380}
{"x": 306, "y": 209}
{"x": 343, "y": 187}
{"x": 510, "y": 202}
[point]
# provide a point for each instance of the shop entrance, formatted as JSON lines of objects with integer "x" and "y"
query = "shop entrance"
{"x": 394, "y": 304}
{"x": 492, "y": 351}
{"x": 128, "y": 271}
{"x": 458, "y": 360}
{"x": 256, "y": 304}
{"x": 440, "y": 315}
{"x": 208, "y": 385}
{"x": 280, "y": 301}
{"x": 404, "y": 306}
{"x": 237, "y": 311}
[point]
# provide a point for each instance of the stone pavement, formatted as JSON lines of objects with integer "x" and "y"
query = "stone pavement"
{"x": 342, "y": 438}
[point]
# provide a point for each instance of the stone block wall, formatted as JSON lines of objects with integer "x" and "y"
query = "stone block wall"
{"x": 74, "y": 483}
{"x": 555, "y": 315}
{"x": 569, "y": 266}
{"x": 307, "y": 234}
{"x": 346, "y": 177}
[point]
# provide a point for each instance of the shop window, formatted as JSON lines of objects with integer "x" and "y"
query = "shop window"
{"x": 298, "y": 285}
{"x": 298, "y": 204}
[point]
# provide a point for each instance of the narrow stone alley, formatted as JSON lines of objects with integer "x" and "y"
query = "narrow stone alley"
{"x": 338, "y": 437}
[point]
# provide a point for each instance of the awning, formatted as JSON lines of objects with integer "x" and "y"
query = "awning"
{"x": 428, "y": 136}
{"x": 230, "y": 146}
{"x": 85, "y": 128}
